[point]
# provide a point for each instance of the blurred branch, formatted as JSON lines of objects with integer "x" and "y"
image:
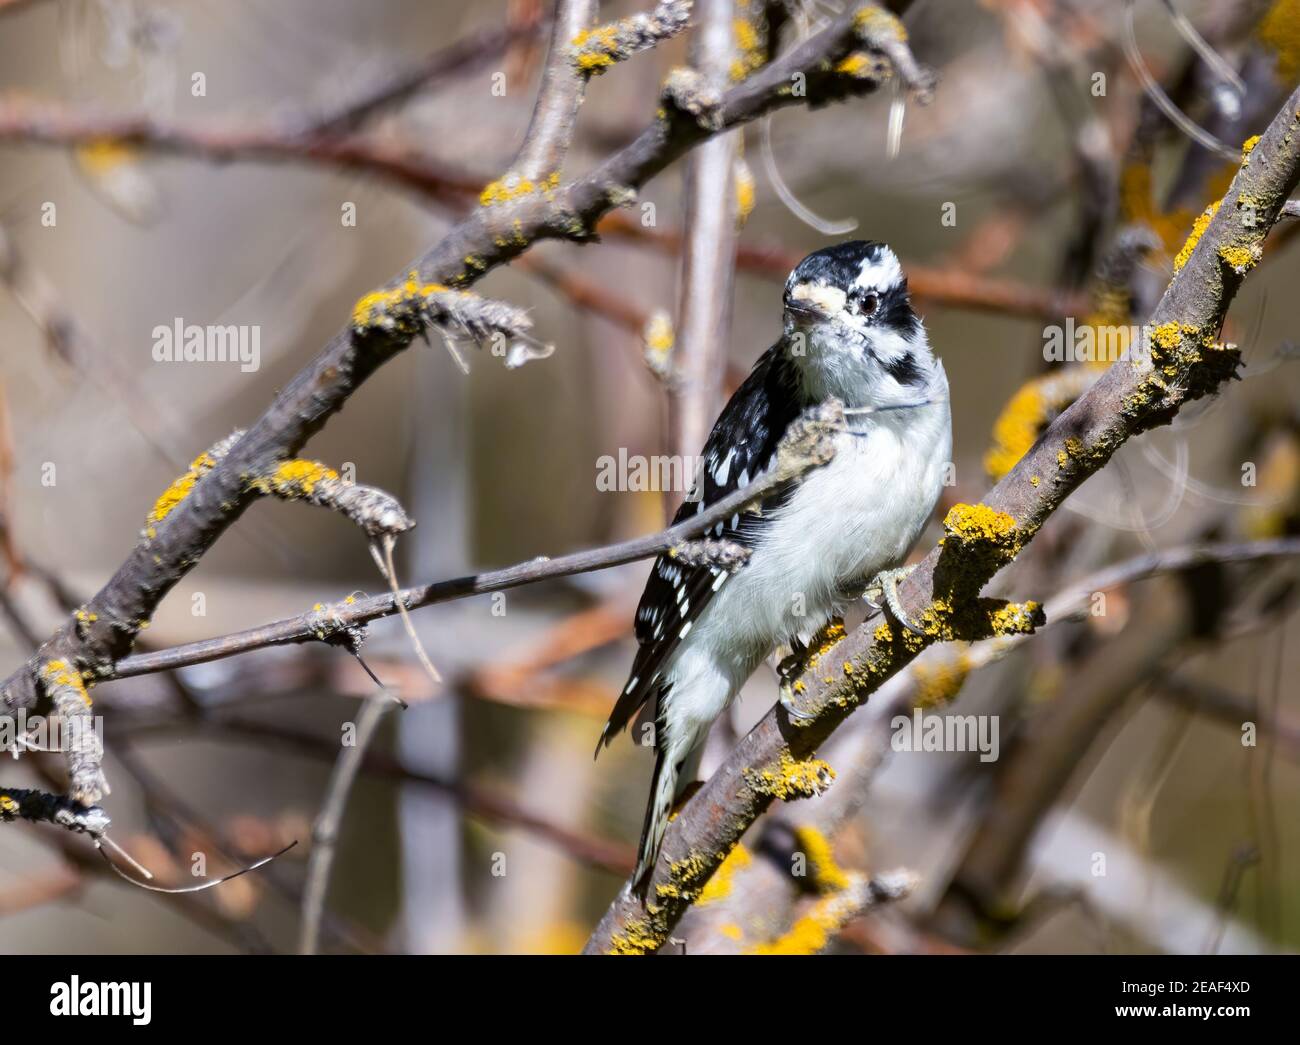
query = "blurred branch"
{"x": 1184, "y": 364}
{"x": 950, "y": 287}
{"x": 708, "y": 252}
{"x": 588, "y": 295}
{"x": 52, "y": 123}
{"x": 325, "y": 831}
{"x": 457, "y": 58}
{"x": 483, "y": 803}
{"x": 1232, "y": 709}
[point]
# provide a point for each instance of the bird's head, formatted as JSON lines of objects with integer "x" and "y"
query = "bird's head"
{"x": 850, "y": 329}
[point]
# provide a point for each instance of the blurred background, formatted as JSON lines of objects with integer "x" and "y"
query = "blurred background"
{"x": 1143, "y": 798}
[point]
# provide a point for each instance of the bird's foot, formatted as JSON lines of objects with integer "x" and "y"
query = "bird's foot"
{"x": 885, "y": 585}
{"x": 789, "y": 668}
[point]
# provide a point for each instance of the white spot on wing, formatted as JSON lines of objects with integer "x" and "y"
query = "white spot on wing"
{"x": 723, "y": 470}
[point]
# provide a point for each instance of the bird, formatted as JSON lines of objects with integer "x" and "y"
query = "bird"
{"x": 849, "y": 333}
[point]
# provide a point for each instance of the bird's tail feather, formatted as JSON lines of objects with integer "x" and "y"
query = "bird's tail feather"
{"x": 663, "y": 788}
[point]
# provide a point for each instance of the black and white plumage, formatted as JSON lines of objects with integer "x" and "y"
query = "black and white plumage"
{"x": 849, "y": 333}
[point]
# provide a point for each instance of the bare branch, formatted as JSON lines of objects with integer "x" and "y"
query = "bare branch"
{"x": 459, "y": 57}
{"x": 51, "y": 123}
{"x": 326, "y": 829}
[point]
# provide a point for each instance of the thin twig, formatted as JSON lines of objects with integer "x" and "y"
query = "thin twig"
{"x": 326, "y": 829}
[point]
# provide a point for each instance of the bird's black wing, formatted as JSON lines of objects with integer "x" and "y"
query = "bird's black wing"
{"x": 741, "y": 447}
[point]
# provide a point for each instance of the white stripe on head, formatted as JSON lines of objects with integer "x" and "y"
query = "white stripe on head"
{"x": 880, "y": 273}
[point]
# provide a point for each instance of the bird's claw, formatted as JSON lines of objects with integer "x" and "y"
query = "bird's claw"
{"x": 787, "y": 700}
{"x": 885, "y": 585}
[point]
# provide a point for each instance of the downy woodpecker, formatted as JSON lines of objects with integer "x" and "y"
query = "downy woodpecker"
{"x": 849, "y": 333}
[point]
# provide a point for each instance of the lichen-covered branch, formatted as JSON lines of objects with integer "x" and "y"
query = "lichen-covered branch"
{"x": 1184, "y": 363}
{"x": 17, "y": 803}
{"x": 24, "y": 121}
{"x": 595, "y": 50}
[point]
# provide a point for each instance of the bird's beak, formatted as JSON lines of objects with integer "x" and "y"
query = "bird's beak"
{"x": 815, "y": 300}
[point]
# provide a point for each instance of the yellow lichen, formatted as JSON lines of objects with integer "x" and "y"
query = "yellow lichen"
{"x": 293, "y": 479}
{"x": 595, "y": 50}
{"x": 751, "y": 52}
{"x": 178, "y": 491}
{"x": 979, "y": 524}
{"x": 1248, "y": 146}
{"x": 856, "y": 64}
{"x": 825, "y": 873}
{"x": 1198, "y": 230}
{"x": 792, "y": 779}
{"x": 938, "y": 682}
{"x": 827, "y": 637}
{"x": 1170, "y": 336}
{"x": 746, "y": 194}
{"x": 393, "y": 302}
{"x": 731, "y": 931}
{"x": 1241, "y": 259}
{"x": 511, "y": 187}
{"x": 637, "y": 937}
{"x": 659, "y": 336}
{"x": 1014, "y": 618}
{"x": 105, "y": 155}
{"x": 1279, "y": 31}
{"x": 720, "y": 884}
{"x": 1016, "y": 429}
{"x": 813, "y": 931}
{"x": 873, "y": 21}
{"x": 59, "y": 673}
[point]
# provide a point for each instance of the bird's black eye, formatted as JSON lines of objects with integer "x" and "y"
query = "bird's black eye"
{"x": 865, "y": 304}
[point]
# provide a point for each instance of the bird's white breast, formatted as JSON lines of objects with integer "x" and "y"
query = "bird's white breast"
{"x": 845, "y": 522}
